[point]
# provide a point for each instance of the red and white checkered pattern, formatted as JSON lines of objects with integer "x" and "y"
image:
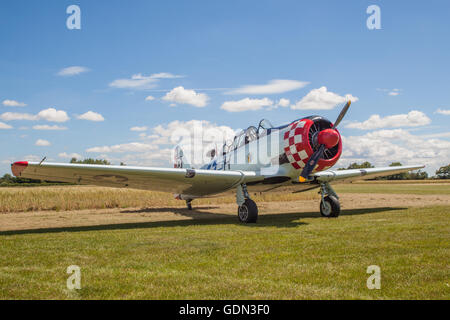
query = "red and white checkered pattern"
{"x": 297, "y": 148}
{"x": 294, "y": 144}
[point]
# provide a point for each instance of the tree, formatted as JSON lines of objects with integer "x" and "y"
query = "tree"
{"x": 443, "y": 172}
{"x": 363, "y": 165}
{"x": 399, "y": 176}
{"x": 90, "y": 161}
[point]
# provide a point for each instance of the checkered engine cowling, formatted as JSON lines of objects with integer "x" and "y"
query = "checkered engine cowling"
{"x": 298, "y": 149}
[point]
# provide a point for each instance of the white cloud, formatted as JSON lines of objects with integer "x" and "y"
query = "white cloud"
{"x": 386, "y": 146}
{"x": 321, "y": 99}
{"x": 49, "y": 114}
{"x": 53, "y": 115}
{"x": 10, "y": 116}
{"x": 65, "y": 155}
{"x": 246, "y": 104}
{"x": 445, "y": 112}
{"x": 91, "y": 116}
{"x": 413, "y": 118}
{"x": 139, "y": 81}
{"x": 13, "y": 103}
{"x": 272, "y": 87}
{"x": 391, "y": 92}
{"x": 5, "y": 126}
{"x": 72, "y": 71}
{"x": 394, "y": 93}
{"x": 283, "y": 102}
{"x": 186, "y": 96}
{"x": 126, "y": 147}
{"x": 42, "y": 143}
{"x": 149, "y": 98}
{"x": 47, "y": 127}
{"x": 196, "y": 137}
{"x": 138, "y": 128}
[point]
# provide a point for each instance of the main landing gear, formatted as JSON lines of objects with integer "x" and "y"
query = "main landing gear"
{"x": 329, "y": 205}
{"x": 189, "y": 204}
{"x": 247, "y": 208}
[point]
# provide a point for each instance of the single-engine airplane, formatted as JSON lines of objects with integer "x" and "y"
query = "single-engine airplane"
{"x": 298, "y": 155}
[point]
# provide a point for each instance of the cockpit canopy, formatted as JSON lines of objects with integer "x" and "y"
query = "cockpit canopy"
{"x": 250, "y": 134}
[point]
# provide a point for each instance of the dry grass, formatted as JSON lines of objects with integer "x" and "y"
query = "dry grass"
{"x": 64, "y": 198}
{"x": 68, "y": 198}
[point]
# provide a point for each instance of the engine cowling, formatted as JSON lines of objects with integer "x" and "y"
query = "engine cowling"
{"x": 303, "y": 137}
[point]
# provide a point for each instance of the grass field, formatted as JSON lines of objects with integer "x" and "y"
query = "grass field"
{"x": 171, "y": 253}
{"x": 62, "y": 198}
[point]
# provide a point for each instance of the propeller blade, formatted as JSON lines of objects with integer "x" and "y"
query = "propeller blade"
{"x": 342, "y": 114}
{"x": 312, "y": 162}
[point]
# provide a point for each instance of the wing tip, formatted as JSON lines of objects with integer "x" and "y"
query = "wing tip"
{"x": 18, "y": 166}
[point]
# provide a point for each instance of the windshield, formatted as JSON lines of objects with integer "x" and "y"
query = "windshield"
{"x": 251, "y": 133}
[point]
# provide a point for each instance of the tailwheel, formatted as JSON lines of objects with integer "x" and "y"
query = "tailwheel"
{"x": 248, "y": 211}
{"x": 330, "y": 207}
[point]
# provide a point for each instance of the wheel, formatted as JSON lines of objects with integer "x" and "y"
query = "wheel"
{"x": 330, "y": 207}
{"x": 189, "y": 205}
{"x": 248, "y": 212}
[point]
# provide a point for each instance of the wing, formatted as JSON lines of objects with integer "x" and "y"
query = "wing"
{"x": 182, "y": 181}
{"x": 361, "y": 174}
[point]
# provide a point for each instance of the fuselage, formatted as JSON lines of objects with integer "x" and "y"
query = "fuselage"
{"x": 277, "y": 151}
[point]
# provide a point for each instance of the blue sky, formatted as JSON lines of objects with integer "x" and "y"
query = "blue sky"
{"x": 214, "y": 50}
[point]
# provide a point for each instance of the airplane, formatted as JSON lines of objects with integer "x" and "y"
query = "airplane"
{"x": 297, "y": 156}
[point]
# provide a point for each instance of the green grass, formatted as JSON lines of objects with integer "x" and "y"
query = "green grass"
{"x": 284, "y": 256}
{"x": 393, "y": 188}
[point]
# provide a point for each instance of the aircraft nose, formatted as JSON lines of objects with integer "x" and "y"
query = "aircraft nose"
{"x": 328, "y": 137}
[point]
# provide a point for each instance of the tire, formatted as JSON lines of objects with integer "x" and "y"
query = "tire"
{"x": 248, "y": 212}
{"x": 189, "y": 206}
{"x": 330, "y": 207}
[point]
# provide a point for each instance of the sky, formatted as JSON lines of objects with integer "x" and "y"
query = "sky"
{"x": 134, "y": 72}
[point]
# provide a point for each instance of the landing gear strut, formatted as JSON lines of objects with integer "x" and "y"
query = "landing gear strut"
{"x": 329, "y": 205}
{"x": 189, "y": 204}
{"x": 247, "y": 208}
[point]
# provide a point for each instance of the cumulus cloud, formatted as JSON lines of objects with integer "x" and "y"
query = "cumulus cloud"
{"x": 47, "y": 127}
{"x": 383, "y": 147}
{"x": 13, "y": 103}
{"x": 91, "y": 116}
{"x": 138, "y": 128}
{"x": 53, "y": 115}
{"x": 72, "y": 71}
{"x": 246, "y": 104}
{"x": 5, "y": 126}
{"x": 42, "y": 143}
{"x": 445, "y": 112}
{"x": 272, "y": 87}
{"x": 413, "y": 118}
{"x": 284, "y": 102}
{"x": 186, "y": 96}
{"x": 321, "y": 99}
{"x": 50, "y": 114}
{"x": 65, "y": 155}
{"x": 149, "y": 98}
{"x": 196, "y": 137}
{"x": 142, "y": 82}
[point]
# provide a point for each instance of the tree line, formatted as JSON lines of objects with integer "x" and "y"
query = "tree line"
{"x": 442, "y": 173}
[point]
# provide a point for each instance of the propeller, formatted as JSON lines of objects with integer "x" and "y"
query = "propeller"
{"x": 327, "y": 138}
